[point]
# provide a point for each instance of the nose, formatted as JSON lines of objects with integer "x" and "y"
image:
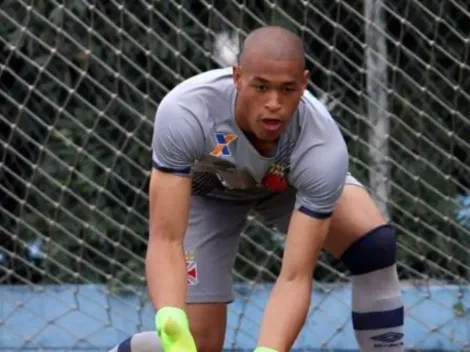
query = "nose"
{"x": 273, "y": 102}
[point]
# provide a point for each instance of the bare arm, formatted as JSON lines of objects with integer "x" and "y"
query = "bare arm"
{"x": 319, "y": 170}
{"x": 288, "y": 305}
{"x": 178, "y": 141}
{"x": 165, "y": 263}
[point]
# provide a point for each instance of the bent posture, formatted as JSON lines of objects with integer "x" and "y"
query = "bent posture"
{"x": 232, "y": 140}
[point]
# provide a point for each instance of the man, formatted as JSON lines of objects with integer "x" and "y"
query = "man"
{"x": 231, "y": 140}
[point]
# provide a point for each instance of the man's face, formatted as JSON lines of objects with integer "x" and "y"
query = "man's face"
{"x": 268, "y": 94}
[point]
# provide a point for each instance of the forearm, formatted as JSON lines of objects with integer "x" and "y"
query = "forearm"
{"x": 166, "y": 273}
{"x": 285, "y": 313}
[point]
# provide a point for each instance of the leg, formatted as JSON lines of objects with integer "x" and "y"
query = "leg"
{"x": 360, "y": 236}
{"x": 211, "y": 245}
{"x": 366, "y": 244}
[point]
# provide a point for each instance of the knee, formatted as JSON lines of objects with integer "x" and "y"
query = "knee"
{"x": 208, "y": 335}
{"x": 208, "y": 342}
{"x": 207, "y": 323}
{"x": 374, "y": 251}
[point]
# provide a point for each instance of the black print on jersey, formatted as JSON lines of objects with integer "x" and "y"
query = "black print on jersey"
{"x": 220, "y": 179}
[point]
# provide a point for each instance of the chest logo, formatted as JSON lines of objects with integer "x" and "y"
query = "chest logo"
{"x": 223, "y": 141}
{"x": 275, "y": 178}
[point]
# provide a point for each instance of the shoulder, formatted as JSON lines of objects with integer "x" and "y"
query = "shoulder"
{"x": 184, "y": 119}
{"x": 193, "y": 104}
{"x": 314, "y": 114}
{"x": 206, "y": 95}
{"x": 318, "y": 133}
{"x": 320, "y": 160}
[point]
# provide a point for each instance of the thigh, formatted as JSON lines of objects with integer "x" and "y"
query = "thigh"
{"x": 276, "y": 210}
{"x": 355, "y": 215}
{"x": 211, "y": 244}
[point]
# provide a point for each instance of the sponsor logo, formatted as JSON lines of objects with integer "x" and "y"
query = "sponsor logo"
{"x": 223, "y": 141}
{"x": 389, "y": 339}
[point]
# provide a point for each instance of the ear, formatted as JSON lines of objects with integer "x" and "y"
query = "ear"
{"x": 237, "y": 75}
{"x": 306, "y": 75}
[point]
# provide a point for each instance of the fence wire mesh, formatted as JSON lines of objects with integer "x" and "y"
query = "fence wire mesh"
{"x": 79, "y": 85}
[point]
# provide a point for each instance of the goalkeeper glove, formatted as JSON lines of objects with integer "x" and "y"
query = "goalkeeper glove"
{"x": 264, "y": 349}
{"x": 173, "y": 329}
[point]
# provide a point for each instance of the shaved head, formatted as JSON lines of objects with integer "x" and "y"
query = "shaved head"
{"x": 274, "y": 43}
{"x": 270, "y": 79}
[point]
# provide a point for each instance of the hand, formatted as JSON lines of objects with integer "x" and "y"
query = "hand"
{"x": 173, "y": 330}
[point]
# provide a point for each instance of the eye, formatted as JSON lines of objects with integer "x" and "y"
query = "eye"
{"x": 261, "y": 87}
{"x": 288, "y": 89}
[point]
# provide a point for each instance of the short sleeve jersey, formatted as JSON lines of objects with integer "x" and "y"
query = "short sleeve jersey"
{"x": 195, "y": 135}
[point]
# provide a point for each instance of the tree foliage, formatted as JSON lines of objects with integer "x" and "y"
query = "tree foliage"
{"x": 80, "y": 85}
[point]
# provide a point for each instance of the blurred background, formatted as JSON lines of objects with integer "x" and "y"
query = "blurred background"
{"x": 80, "y": 82}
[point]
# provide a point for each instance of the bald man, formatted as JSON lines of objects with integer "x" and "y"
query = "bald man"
{"x": 233, "y": 140}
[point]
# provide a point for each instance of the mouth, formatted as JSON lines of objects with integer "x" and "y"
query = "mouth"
{"x": 272, "y": 124}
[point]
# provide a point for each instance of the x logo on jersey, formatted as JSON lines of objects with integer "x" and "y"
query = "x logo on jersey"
{"x": 223, "y": 140}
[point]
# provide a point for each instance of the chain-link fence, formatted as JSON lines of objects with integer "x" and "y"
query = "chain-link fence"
{"x": 80, "y": 82}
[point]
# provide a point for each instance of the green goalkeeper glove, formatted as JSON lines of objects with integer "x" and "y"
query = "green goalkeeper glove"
{"x": 264, "y": 349}
{"x": 173, "y": 329}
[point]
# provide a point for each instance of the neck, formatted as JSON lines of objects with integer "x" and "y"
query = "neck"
{"x": 240, "y": 117}
{"x": 265, "y": 148}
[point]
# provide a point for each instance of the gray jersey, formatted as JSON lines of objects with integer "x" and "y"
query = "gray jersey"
{"x": 195, "y": 134}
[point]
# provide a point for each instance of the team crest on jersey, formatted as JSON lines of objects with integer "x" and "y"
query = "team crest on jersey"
{"x": 191, "y": 268}
{"x": 275, "y": 178}
{"x": 223, "y": 142}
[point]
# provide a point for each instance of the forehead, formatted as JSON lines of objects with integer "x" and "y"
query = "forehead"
{"x": 262, "y": 68}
